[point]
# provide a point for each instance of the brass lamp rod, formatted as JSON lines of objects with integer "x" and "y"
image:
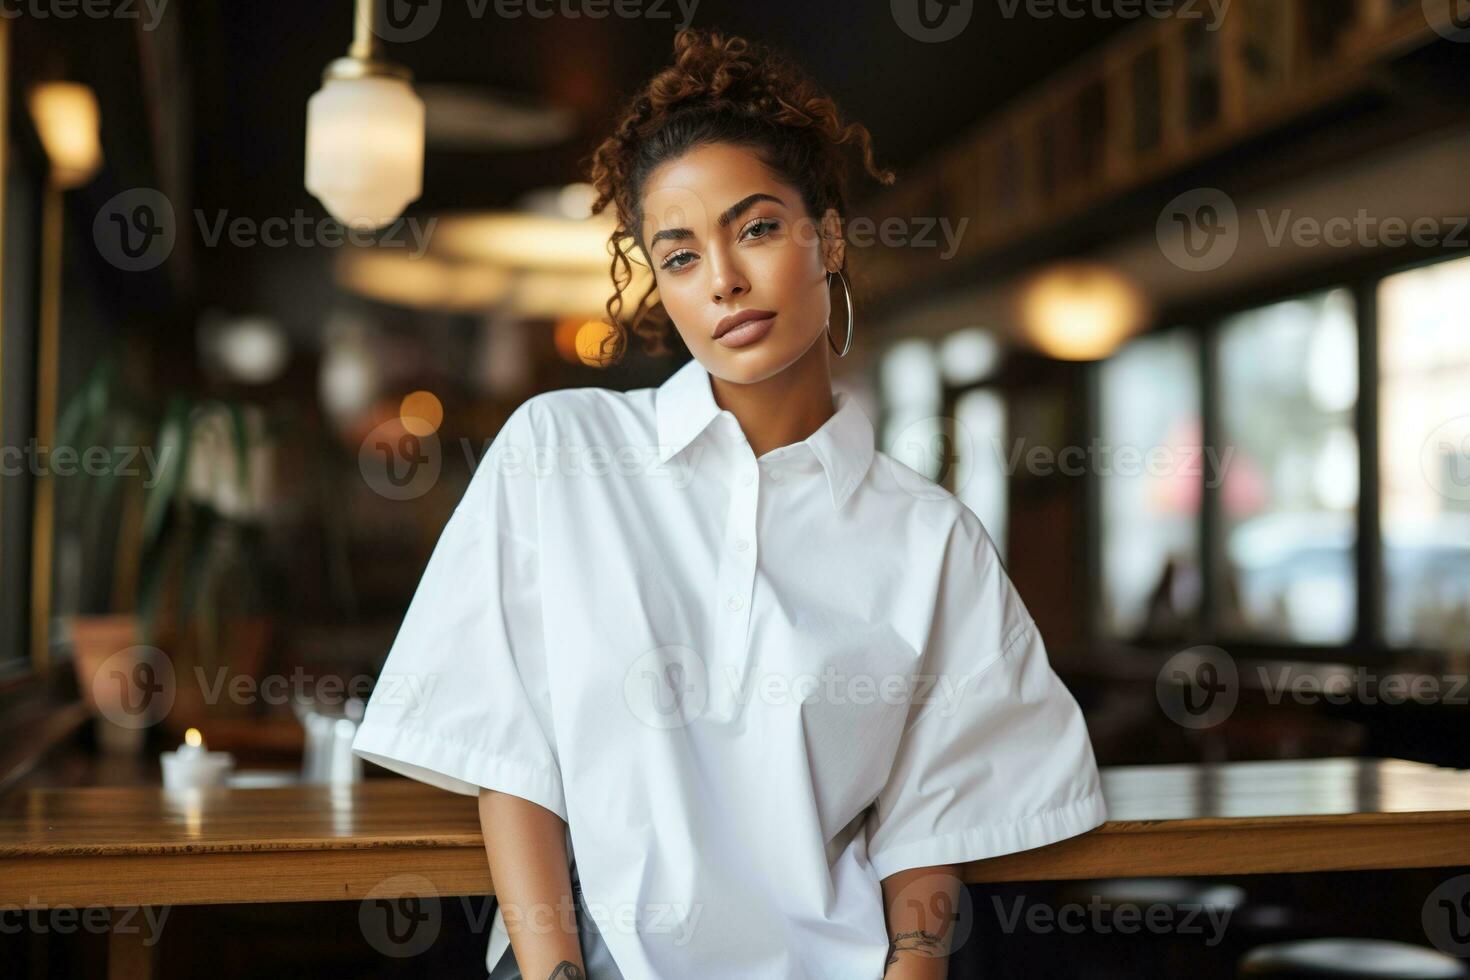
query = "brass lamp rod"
{"x": 365, "y": 56}
{"x": 365, "y": 39}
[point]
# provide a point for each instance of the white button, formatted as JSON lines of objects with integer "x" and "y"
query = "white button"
{"x": 775, "y": 476}
{"x": 735, "y": 602}
{"x": 741, "y": 544}
{"x": 748, "y": 479}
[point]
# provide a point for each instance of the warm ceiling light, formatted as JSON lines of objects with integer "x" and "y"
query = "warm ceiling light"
{"x": 365, "y": 133}
{"x": 1081, "y": 311}
{"x": 425, "y": 283}
{"x": 69, "y": 124}
{"x": 534, "y": 241}
{"x": 584, "y": 294}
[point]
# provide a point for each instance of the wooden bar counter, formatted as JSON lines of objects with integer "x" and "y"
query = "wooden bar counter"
{"x": 137, "y": 846}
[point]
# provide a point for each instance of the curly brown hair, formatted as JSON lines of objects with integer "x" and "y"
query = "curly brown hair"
{"x": 718, "y": 90}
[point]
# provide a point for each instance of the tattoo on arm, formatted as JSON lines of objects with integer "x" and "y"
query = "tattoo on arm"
{"x": 919, "y": 940}
{"x": 567, "y": 970}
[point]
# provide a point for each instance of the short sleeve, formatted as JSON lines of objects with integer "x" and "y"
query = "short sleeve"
{"x": 995, "y": 756}
{"x": 462, "y": 701}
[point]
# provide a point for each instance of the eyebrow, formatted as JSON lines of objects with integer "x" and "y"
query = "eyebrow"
{"x": 730, "y": 214}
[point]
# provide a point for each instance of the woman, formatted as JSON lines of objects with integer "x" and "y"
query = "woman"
{"x": 736, "y": 691}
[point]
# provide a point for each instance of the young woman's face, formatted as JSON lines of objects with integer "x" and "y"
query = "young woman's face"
{"x": 725, "y": 237}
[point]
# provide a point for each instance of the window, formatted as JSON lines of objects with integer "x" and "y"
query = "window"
{"x": 912, "y": 393}
{"x": 1424, "y": 454}
{"x": 1150, "y": 500}
{"x": 980, "y": 417}
{"x": 962, "y": 449}
{"x": 1273, "y": 524}
{"x": 1288, "y": 500}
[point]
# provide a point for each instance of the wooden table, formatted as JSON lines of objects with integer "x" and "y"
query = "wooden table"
{"x": 137, "y": 846}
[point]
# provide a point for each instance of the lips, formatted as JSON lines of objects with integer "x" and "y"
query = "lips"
{"x": 736, "y": 319}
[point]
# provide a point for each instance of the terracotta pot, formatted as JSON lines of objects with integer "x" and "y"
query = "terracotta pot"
{"x": 128, "y": 687}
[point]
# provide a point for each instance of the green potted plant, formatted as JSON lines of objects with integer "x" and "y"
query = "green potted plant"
{"x": 177, "y": 508}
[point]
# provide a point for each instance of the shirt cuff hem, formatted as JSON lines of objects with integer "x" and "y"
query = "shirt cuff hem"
{"x": 458, "y": 768}
{"x": 993, "y": 840}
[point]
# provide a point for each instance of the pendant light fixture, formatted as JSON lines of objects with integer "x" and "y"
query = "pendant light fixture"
{"x": 365, "y": 132}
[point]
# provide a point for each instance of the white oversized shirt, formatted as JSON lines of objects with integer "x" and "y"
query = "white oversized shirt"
{"x": 753, "y": 687}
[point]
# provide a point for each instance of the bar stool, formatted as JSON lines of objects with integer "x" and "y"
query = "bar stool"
{"x": 1199, "y": 902}
{"x": 1350, "y": 959}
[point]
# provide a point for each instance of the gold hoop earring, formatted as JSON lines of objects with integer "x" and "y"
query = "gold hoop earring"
{"x": 847, "y": 345}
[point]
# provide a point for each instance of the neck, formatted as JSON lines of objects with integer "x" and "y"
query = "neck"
{"x": 784, "y": 408}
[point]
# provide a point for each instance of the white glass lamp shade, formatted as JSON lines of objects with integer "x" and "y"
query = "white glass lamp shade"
{"x": 365, "y": 148}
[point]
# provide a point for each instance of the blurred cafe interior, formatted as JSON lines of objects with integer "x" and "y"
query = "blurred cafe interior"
{"x": 1174, "y": 296}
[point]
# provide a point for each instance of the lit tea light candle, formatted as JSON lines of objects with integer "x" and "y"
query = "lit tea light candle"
{"x": 192, "y": 766}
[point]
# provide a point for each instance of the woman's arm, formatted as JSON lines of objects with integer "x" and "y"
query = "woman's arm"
{"x": 526, "y": 845}
{"x": 921, "y": 905}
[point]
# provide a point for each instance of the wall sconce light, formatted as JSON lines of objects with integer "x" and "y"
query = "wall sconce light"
{"x": 1081, "y": 311}
{"x": 69, "y": 124}
{"x": 365, "y": 133}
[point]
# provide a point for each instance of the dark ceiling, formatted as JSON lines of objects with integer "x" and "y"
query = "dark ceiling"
{"x": 255, "y": 65}
{"x": 241, "y": 71}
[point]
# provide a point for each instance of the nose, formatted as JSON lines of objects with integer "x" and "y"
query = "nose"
{"x": 728, "y": 281}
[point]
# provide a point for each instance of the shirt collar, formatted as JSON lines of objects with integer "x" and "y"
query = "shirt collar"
{"x": 686, "y": 405}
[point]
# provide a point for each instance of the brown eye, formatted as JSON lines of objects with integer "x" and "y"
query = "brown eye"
{"x": 761, "y": 223}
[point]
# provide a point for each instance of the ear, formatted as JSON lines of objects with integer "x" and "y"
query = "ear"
{"x": 834, "y": 246}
